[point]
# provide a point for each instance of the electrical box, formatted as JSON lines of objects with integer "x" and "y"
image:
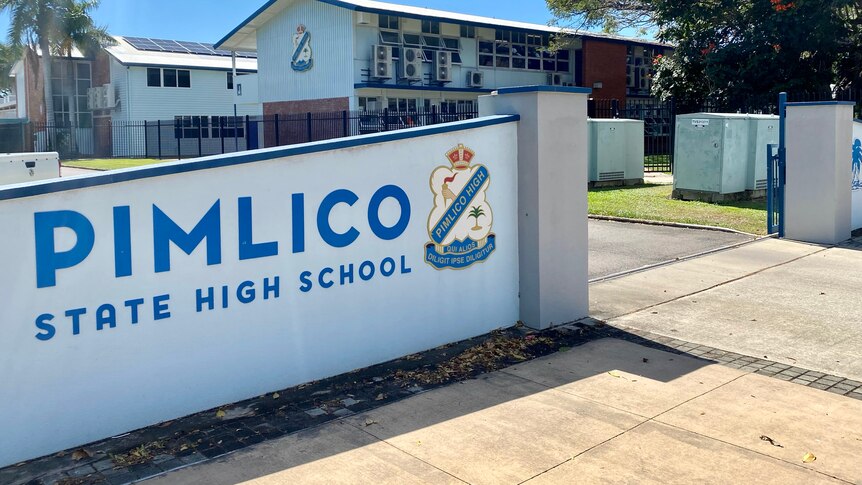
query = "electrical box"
{"x": 16, "y": 168}
{"x": 711, "y": 154}
{"x": 616, "y": 151}
{"x": 764, "y": 131}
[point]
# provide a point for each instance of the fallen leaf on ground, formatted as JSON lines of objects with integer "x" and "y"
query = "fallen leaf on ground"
{"x": 380, "y": 397}
{"x": 770, "y": 441}
{"x": 369, "y": 422}
{"x": 79, "y": 455}
{"x": 808, "y": 458}
{"x": 276, "y": 395}
{"x": 220, "y": 413}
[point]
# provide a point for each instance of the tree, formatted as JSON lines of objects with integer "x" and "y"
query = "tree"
{"x": 8, "y": 57}
{"x": 53, "y": 27}
{"x": 476, "y": 213}
{"x": 729, "y": 50}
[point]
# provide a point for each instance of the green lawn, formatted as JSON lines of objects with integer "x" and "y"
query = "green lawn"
{"x": 653, "y": 202}
{"x": 111, "y": 163}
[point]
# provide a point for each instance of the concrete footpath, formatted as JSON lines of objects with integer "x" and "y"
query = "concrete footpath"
{"x": 614, "y": 410}
{"x": 610, "y": 411}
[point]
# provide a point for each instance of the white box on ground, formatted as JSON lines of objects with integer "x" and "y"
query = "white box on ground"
{"x": 764, "y": 131}
{"x": 616, "y": 150}
{"x": 17, "y": 168}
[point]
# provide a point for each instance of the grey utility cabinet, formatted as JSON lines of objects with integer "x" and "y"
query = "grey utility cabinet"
{"x": 616, "y": 151}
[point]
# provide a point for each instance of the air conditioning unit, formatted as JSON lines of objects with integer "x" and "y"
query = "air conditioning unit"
{"x": 411, "y": 64}
{"x": 555, "y": 79}
{"x": 101, "y": 97}
{"x": 109, "y": 96}
{"x": 381, "y": 62}
{"x": 475, "y": 79}
{"x": 442, "y": 67}
{"x": 363, "y": 18}
{"x": 94, "y": 98}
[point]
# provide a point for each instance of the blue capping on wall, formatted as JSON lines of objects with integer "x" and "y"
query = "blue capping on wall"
{"x": 421, "y": 88}
{"x": 823, "y": 103}
{"x": 205, "y": 163}
{"x": 544, "y": 89}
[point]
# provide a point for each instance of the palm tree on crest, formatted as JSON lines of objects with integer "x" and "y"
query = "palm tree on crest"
{"x": 476, "y": 213}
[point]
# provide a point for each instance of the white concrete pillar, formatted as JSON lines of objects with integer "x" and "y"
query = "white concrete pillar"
{"x": 817, "y": 192}
{"x": 552, "y": 199}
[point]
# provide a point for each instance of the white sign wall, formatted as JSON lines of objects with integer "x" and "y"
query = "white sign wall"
{"x": 299, "y": 268}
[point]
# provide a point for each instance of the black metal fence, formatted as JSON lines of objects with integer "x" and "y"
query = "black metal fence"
{"x": 659, "y": 118}
{"x": 195, "y": 136}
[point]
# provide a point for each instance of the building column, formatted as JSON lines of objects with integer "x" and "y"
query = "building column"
{"x": 552, "y": 199}
{"x": 819, "y": 177}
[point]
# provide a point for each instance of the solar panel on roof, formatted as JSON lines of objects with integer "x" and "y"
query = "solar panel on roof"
{"x": 182, "y": 47}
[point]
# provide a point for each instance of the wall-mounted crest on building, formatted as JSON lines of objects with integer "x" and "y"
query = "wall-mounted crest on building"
{"x": 302, "y": 57}
{"x": 460, "y": 222}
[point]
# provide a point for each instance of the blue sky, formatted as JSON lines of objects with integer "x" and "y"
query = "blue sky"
{"x": 210, "y": 20}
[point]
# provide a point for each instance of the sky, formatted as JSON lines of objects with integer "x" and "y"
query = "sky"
{"x": 210, "y": 20}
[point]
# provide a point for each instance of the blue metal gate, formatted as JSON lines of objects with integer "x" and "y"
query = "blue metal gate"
{"x": 776, "y": 174}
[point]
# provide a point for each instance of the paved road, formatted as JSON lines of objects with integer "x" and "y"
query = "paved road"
{"x": 622, "y": 246}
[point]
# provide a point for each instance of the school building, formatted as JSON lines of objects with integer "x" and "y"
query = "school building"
{"x": 333, "y": 55}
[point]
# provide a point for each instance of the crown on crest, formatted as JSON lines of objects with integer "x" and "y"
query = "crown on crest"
{"x": 460, "y": 157}
{"x": 300, "y": 29}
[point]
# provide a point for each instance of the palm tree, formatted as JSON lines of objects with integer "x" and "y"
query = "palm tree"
{"x": 476, "y": 213}
{"x": 54, "y": 27}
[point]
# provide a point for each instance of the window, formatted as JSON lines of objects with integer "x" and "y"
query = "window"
{"x": 172, "y": 78}
{"x": 184, "y": 78}
{"x": 640, "y": 69}
{"x": 412, "y": 40}
{"x": 402, "y": 104}
{"x": 230, "y": 80}
{"x": 520, "y": 50}
{"x": 169, "y": 77}
{"x": 388, "y": 22}
{"x": 468, "y": 31}
{"x": 430, "y": 27}
{"x": 390, "y": 38}
{"x": 368, "y": 103}
{"x": 154, "y": 77}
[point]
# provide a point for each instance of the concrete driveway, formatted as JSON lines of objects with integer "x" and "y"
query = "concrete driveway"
{"x": 790, "y": 302}
{"x": 71, "y": 171}
{"x": 621, "y": 246}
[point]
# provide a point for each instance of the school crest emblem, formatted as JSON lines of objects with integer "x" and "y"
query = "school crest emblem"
{"x": 302, "y": 56}
{"x": 856, "y": 165}
{"x": 460, "y": 222}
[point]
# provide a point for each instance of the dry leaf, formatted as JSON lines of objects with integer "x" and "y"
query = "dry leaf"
{"x": 80, "y": 454}
{"x": 369, "y": 422}
{"x": 184, "y": 447}
{"x": 276, "y": 395}
{"x": 614, "y": 373}
{"x": 808, "y": 458}
{"x": 220, "y": 413}
{"x": 380, "y": 397}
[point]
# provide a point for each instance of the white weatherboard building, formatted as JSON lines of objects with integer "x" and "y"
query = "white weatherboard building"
{"x": 106, "y": 98}
{"x": 332, "y": 55}
{"x": 153, "y": 80}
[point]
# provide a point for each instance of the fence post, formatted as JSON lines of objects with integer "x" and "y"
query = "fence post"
{"x": 385, "y": 119}
{"x": 276, "y": 131}
{"x": 200, "y": 141}
{"x": 433, "y": 114}
{"x": 344, "y": 122}
{"x": 221, "y": 132}
{"x": 179, "y": 139}
{"x": 146, "y": 139}
{"x": 247, "y": 131}
{"x": 615, "y": 108}
{"x": 308, "y": 125}
{"x": 159, "y": 136}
